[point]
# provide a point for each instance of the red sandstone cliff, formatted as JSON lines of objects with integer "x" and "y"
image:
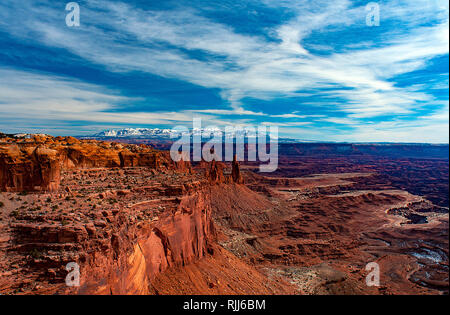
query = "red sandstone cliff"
{"x": 35, "y": 164}
{"x": 29, "y": 168}
{"x": 176, "y": 240}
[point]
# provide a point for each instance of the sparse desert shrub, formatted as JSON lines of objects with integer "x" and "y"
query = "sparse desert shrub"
{"x": 49, "y": 199}
{"x": 36, "y": 253}
{"x": 2, "y": 204}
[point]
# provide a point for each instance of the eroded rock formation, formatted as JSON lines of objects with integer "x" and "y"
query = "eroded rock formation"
{"x": 29, "y": 168}
{"x": 215, "y": 172}
{"x": 35, "y": 163}
{"x": 236, "y": 172}
{"x": 175, "y": 240}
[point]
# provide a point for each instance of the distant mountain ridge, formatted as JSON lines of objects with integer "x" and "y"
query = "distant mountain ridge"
{"x": 171, "y": 135}
{"x": 167, "y": 134}
{"x": 133, "y": 132}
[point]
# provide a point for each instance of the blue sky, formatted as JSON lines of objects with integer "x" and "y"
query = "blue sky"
{"x": 313, "y": 68}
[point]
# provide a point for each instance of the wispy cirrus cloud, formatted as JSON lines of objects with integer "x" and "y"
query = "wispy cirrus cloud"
{"x": 41, "y": 98}
{"x": 351, "y": 83}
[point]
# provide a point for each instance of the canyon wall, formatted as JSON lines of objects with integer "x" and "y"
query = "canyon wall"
{"x": 175, "y": 241}
{"x": 28, "y": 169}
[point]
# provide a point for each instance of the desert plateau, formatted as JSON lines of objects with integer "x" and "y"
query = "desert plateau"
{"x": 138, "y": 223}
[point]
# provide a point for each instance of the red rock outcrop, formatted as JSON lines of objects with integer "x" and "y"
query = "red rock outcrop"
{"x": 215, "y": 172}
{"x": 36, "y": 163}
{"x": 236, "y": 172}
{"x": 29, "y": 168}
{"x": 184, "y": 165}
{"x": 173, "y": 241}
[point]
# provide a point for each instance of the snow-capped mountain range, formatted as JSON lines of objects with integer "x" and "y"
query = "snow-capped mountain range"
{"x": 133, "y": 132}
{"x": 171, "y": 134}
{"x": 163, "y": 133}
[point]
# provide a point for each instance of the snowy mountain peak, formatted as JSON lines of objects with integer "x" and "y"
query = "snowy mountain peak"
{"x": 133, "y": 132}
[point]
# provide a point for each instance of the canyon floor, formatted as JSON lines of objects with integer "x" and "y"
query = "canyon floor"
{"x": 215, "y": 228}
